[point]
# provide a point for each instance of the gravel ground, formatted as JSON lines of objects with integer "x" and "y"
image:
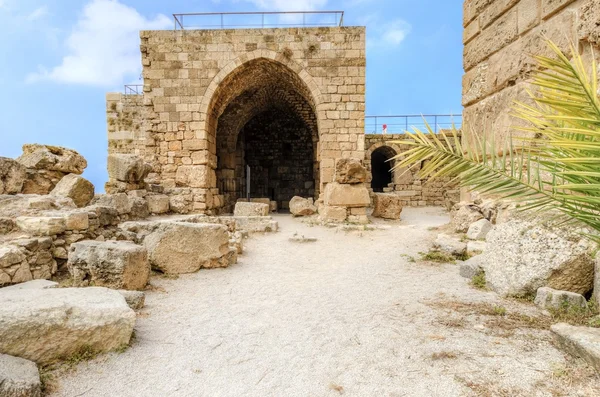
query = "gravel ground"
{"x": 351, "y": 314}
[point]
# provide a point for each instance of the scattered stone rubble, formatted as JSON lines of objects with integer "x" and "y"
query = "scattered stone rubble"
{"x": 19, "y": 377}
{"x": 347, "y": 198}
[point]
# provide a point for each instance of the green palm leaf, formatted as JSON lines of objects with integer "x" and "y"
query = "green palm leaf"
{"x": 556, "y": 167}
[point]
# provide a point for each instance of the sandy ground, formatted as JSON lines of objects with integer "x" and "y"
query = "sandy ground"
{"x": 351, "y": 314}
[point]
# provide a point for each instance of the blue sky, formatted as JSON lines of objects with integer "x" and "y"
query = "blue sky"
{"x": 61, "y": 57}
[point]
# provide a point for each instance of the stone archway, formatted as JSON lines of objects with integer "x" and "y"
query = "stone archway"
{"x": 263, "y": 115}
{"x": 382, "y": 174}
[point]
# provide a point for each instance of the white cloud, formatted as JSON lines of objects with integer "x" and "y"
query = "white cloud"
{"x": 289, "y": 5}
{"x": 389, "y": 34}
{"x": 38, "y": 13}
{"x": 103, "y": 48}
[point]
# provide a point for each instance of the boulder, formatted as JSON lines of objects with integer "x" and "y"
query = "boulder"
{"x": 12, "y": 176}
{"x": 450, "y": 245}
{"x": 139, "y": 208}
{"x": 127, "y": 168}
{"x": 158, "y": 203}
{"x": 479, "y": 230}
{"x": 547, "y": 298}
{"x": 333, "y": 214}
{"x": 33, "y": 284}
{"x": 112, "y": 264}
{"x": 250, "y": 209}
{"x": 582, "y": 342}
{"x": 42, "y": 225}
{"x": 105, "y": 215}
{"x": 338, "y": 195}
{"x": 118, "y": 201}
{"x": 52, "y": 158}
{"x": 463, "y": 216}
{"x": 350, "y": 171}
{"x": 47, "y": 325}
{"x": 387, "y": 206}
{"x": 302, "y": 207}
{"x": 476, "y": 247}
{"x": 41, "y": 181}
{"x": 75, "y": 187}
{"x": 134, "y": 299}
{"x": 527, "y": 253}
{"x": 471, "y": 267}
{"x": 19, "y": 377}
{"x": 178, "y": 247}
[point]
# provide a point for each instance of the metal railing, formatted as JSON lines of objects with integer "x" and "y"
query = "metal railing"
{"x": 255, "y": 20}
{"x": 134, "y": 89}
{"x": 400, "y": 124}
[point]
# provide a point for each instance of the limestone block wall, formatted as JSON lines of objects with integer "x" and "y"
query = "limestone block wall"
{"x": 202, "y": 86}
{"x": 500, "y": 37}
{"x": 125, "y": 123}
{"x": 415, "y": 192}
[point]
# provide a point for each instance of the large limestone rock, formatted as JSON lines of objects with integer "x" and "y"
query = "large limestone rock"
{"x": 178, "y": 247}
{"x": 302, "y": 207}
{"x": 112, "y": 264}
{"x": 387, "y": 206}
{"x": 550, "y": 298}
{"x": 75, "y": 187}
{"x": 338, "y": 195}
{"x": 525, "y": 253}
{"x": 250, "y": 209}
{"x": 350, "y": 171}
{"x": 450, "y": 245}
{"x": 158, "y": 203}
{"x": 12, "y": 176}
{"x": 119, "y": 201}
{"x": 463, "y": 216}
{"x": 333, "y": 214}
{"x": 46, "y": 325}
{"x": 52, "y": 158}
{"x": 42, "y": 225}
{"x": 19, "y": 377}
{"x": 479, "y": 230}
{"x": 583, "y": 342}
{"x": 41, "y": 181}
{"x": 127, "y": 168}
{"x": 26, "y": 259}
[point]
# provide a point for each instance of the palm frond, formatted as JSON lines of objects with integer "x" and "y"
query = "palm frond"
{"x": 556, "y": 166}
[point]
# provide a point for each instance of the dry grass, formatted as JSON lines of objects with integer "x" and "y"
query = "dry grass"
{"x": 452, "y": 322}
{"x": 478, "y": 281}
{"x": 487, "y": 389}
{"x": 336, "y": 387}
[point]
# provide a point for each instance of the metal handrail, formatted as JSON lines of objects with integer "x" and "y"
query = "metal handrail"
{"x": 134, "y": 89}
{"x": 399, "y": 124}
{"x": 179, "y": 19}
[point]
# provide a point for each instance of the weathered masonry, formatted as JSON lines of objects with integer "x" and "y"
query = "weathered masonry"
{"x": 285, "y": 102}
{"x": 500, "y": 38}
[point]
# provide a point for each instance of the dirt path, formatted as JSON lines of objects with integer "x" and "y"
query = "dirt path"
{"x": 350, "y": 314}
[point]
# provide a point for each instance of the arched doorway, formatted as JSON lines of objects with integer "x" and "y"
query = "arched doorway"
{"x": 381, "y": 168}
{"x": 263, "y": 117}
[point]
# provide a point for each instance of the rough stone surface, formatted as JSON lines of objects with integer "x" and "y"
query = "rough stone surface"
{"x": 42, "y": 226}
{"x": 52, "y": 158}
{"x": 550, "y": 298}
{"x": 338, "y": 195}
{"x": 250, "y": 209}
{"x": 350, "y": 171}
{"x": 127, "y": 168}
{"x": 450, "y": 245}
{"x": 134, "y": 299}
{"x": 479, "y": 229}
{"x": 471, "y": 267}
{"x": 46, "y": 325}
{"x": 464, "y": 217}
{"x": 387, "y": 205}
{"x": 523, "y": 255}
{"x": 25, "y": 259}
{"x": 333, "y": 214}
{"x": 112, "y": 264}
{"x": 12, "y": 176}
{"x": 79, "y": 189}
{"x": 476, "y": 247}
{"x": 158, "y": 203}
{"x": 41, "y": 181}
{"x": 302, "y": 207}
{"x": 178, "y": 247}
{"x": 118, "y": 201}
{"x": 19, "y": 377}
{"x": 583, "y": 342}
{"x": 33, "y": 284}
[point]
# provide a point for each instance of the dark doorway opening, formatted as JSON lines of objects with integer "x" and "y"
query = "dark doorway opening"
{"x": 381, "y": 168}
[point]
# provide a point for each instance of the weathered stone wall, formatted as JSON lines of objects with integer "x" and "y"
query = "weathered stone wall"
{"x": 201, "y": 87}
{"x": 125, "y": 122}
{"x": 416, "y": 192}
{"x": 500, "y": 37}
